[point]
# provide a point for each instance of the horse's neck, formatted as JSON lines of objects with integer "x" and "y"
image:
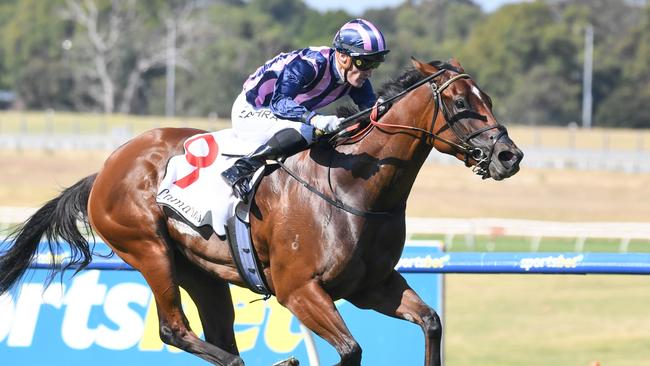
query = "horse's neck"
{"x": 392, "y": 159}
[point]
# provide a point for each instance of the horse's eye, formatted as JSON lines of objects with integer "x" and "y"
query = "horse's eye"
{"x": 459, "y": 103}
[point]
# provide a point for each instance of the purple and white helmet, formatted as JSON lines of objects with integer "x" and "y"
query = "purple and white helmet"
{"x": 359, "y": 37}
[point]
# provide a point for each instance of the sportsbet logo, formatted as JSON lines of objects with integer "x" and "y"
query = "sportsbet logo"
{"x": 123, "y": 316}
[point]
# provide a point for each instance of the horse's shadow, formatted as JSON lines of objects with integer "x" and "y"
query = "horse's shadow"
{"x": 361, "y": 165}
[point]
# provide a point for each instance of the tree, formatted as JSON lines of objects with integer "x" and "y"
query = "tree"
{"x": 625, "y": 103}
{"x": 131, "y": 56}
{"x": 119, "y": 41}
{"x": 429, "y": 30}
{"x": 6, "y": 12}
{"x": 517, "y": 52}
{"x": 234, "y": 41}
{"x": 32, "y": 53}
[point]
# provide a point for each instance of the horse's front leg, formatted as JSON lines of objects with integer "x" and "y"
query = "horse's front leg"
{"x": 395, "y": 298}
{"x": 316, "y": 310}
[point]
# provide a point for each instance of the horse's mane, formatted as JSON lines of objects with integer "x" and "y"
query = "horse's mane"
{"x": 395, "y": 86}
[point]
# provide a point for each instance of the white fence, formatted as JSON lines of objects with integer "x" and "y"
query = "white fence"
{"x": 12, "y": 215}
{"x": 583, "y": 159}
{"x": 470, "y": 228}
{"x": 56, "y": 142}
{"x": 545, "y": 147}
{"x": 535, "y": 230}
{"x": 629, "y": 161}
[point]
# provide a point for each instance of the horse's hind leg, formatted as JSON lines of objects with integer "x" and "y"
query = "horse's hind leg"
{"x": 214, "y": 302}
{"x": 123, "y": 211}
{"x": 157, "y": 269}
{"x": 154, "y": 259}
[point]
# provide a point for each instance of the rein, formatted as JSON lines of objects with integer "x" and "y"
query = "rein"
{"x": 482, "y": 159}
{"x": 336, "y": 202}
{"x": 476, "y": 153}
{"x": 436, "y": 94}
{"x": 349, "y": 121}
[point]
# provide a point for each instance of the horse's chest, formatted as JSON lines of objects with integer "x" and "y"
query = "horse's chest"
{"x": 363, "y": 256}
{"x": 360, "y": 267}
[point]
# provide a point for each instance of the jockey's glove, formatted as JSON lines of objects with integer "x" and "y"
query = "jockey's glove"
{"x": 327, "y": 124}
{"x": 383, "y": 108}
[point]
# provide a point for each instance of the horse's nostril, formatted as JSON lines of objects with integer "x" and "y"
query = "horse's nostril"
{"x": 506, "y": 155}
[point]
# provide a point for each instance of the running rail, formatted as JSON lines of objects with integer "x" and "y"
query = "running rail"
{"x": 527, "y": 263}
{"x": 422, "y": 259}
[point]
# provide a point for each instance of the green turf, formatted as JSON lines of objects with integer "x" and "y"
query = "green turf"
{"x": 461, "y": 243}
{"x": 540, "y": 320}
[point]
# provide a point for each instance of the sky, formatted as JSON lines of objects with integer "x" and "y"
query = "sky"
{"x": 356, "y": 7}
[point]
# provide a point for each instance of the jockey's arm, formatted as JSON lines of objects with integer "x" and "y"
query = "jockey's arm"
{"x": 364, "y": 97}
{"x": 295, "y": 76}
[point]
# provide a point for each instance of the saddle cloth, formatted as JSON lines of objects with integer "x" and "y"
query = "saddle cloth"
{"x": 193, "y": 187}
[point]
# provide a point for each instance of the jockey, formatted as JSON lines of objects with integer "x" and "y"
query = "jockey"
{"x": 277, "y": 107}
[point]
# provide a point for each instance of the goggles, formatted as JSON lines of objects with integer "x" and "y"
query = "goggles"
{"x": 365, "y": 64}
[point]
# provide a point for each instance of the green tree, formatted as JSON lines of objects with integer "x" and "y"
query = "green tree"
{"x": 6, "y": 12}
{"x": 120, "y": 43}
{"x": 234, "y": 41}
{"x": 522, "y": 53}
{"x": 527, "y": 56}
{"x": 625, "y": 103}
{"x": 319, "y": 29}
{"x": 429, "y": 30}
{"x": 33, "y": 57}
{"x": 288, "y": 13}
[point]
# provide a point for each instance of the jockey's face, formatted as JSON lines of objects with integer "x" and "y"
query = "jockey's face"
{"x": 357, "y": 72}
{"x": 356, "y": 76}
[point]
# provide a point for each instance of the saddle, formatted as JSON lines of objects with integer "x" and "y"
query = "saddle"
{"x": 194, "y": 193}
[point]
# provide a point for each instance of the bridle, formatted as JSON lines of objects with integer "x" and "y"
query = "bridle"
{"x": 482, "y": 159}
{"x": 465, "y": 146}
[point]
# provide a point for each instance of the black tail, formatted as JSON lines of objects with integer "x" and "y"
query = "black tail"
{"x": 56, "y": 220}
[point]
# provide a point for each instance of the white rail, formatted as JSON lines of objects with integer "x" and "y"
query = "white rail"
{"x": 536, "y": 230}
{"x": 470, "y": 228}
{"x": 12, "y": 215}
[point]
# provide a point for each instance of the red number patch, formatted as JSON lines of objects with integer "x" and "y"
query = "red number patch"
{"x": 198, "y": 161}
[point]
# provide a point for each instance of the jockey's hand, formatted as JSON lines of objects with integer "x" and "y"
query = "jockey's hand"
{"x": 327, "y": 124}
{"x": 382, "y": 109}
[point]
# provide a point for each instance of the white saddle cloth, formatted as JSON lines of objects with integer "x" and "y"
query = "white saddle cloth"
{"x": 193, "y": 186}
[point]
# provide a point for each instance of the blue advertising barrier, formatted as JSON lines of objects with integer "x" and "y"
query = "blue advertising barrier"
{"x": 109, "y": 317}
{"x": 533, "y": 263}
{"x": 426, "y": 257}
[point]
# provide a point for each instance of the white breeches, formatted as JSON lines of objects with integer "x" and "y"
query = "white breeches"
{"x": 258, "y": 125}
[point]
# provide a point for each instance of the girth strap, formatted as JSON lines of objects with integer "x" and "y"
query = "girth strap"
{"x": 243, "y": 254}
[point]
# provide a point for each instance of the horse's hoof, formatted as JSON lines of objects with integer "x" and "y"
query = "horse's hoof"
{"x": 291, "y": 361}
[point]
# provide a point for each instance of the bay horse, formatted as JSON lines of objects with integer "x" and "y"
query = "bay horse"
{"x": 312, "y": 251}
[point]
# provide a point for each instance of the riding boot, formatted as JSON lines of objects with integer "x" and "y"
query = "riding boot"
{"x": 281, "y": 145}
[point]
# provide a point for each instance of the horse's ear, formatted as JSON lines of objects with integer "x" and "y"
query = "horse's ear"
{"x": 424, "y": 68}
{"x": 453, "y": 62}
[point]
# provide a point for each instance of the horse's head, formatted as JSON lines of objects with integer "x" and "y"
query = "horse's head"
{"x": 463, "y": 124}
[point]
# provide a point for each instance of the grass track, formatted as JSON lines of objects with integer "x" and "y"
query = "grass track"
{"x": 523, "y": 244}
{"x": 542, "y": 320}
